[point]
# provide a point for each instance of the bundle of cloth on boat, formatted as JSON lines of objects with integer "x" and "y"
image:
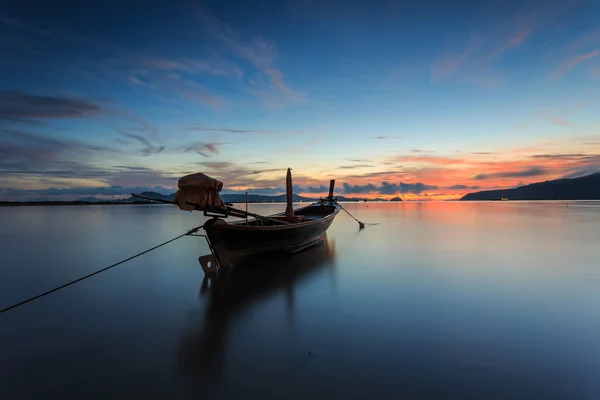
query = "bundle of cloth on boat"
{"x": 201, "y": 190}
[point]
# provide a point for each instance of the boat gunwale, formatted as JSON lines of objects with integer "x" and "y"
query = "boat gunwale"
{"x": 241, "y": 225}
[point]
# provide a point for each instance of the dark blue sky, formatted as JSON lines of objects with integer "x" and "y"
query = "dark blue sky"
{"x": 101, "y": 94}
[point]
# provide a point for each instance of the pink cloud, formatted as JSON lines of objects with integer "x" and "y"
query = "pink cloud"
{"x": 451, "y": 63}
{"x": 573, "y": 63}
{"x": 560, "y": 121}
{"x": 514, "y": 40}
{"x": 277, "y": 80}
{"x": 519, "y": 37}
{"x": 589, "y": 38}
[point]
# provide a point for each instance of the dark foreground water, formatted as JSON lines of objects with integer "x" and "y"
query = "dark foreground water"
{"x": 441, "y": 300}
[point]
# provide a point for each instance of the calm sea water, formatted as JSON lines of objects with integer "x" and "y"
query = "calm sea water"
{"x": 440, "y": 300}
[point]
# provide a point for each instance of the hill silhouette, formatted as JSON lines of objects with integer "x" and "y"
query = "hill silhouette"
{"x": 582, "y": 188}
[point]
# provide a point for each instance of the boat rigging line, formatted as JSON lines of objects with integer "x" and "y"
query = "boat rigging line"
{"x": 361, "y": 225}
{"x": 188, "y": 233}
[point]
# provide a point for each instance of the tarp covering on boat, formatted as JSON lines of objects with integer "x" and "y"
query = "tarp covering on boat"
{"x": 201, "y": 190}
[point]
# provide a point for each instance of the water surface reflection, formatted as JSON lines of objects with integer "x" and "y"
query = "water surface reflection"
{"x": 234, "y": 292}
{"x": 440, "y": 300}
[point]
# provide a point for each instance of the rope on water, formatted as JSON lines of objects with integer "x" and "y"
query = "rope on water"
{"x": 97, "y": 272}
{"x": 361, "y": 225}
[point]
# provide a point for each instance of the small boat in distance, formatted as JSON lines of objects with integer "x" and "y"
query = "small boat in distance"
{"x": 232, "y": 243}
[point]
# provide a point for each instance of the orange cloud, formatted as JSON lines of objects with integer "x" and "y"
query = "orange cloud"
{"x": 417, "y": 176}
{"x": 437, "y": 160}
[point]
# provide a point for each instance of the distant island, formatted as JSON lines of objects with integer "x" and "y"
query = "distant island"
{"x": 227, "y": 197}
{"x": 582, "y": 188}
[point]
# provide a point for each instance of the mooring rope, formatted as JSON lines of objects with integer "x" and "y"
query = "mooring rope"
{"x": 361, "y": 225}
{"x": 97, "y": 272}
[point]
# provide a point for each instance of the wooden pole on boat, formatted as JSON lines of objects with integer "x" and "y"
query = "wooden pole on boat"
{"x": 331, "y": 185}
{"x": 246, "y": 206}
{"x": 289, "y": 194}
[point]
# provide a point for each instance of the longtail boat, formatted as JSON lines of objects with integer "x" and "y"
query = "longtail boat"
{"x": 233, "y": 242}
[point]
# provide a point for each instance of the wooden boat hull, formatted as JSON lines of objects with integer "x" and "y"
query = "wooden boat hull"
{"x": 234, "y": 243}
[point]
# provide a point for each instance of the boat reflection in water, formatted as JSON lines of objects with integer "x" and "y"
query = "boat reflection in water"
{"x": 235, "y": 291}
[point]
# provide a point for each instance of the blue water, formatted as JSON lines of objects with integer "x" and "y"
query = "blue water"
{"x": 451, "y": 300}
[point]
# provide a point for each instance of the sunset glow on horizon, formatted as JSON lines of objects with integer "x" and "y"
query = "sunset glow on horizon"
{"x": 421, "y": 100}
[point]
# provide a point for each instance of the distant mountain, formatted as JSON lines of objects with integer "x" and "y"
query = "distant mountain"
{"x": 396, "y": 199}
{"x": 342, "y": 198}
{"x": 226, "y": 197}
{"x": 583, "y": 188}
{"x": 90, "y": 199}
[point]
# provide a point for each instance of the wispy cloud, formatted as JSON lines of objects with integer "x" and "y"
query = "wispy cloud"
{"x": 386, "y": 137}
{"x": 45, "y": 146}
{"x": 474, "y": 62}
{"x": 216, "y": 164}
{"x": 359, "y": 160}
{"x": 353, "y": 166}
{"x": 200, "y": 128}
{"x": 257, "y": 51}
{"x": 187, "y": 88}
{"x": 16, "y": 104}
{"x": 427, "y": 159}
{"x": 135, "y": 81}
{"x": 529, "y": 172}
{"x": 229, "y": 169}
{"x": 213, "y": 65}
{"x": 148, "y": 136}
{"x": 149, "y": 147}
{"x": 588, "y": 40}
{"x": 579, "y": 157}
{"x": 27, "y": 157}
{"x": 311, "y": 189}
{"x": 560, "y": 121}
{"x": 204, "y": 149}
{"x": 388, "y": 188}
{"x": 463, "y": 187}
{"x": 576, "y": 173}
{"x": 10, "y": 21}
{"x": 22, "y": 25}
{"x": 572, "y": 63}
{"x": 514, "y": 32}
{"x": 450, "y": 63}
